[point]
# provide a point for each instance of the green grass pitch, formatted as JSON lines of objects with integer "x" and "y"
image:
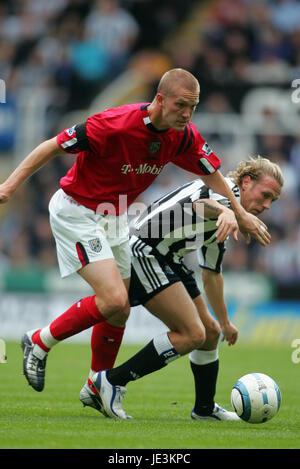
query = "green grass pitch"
{"x": 160, "y": 404}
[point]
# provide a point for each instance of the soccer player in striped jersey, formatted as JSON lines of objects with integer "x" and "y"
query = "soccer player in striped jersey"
{"x": 120, "y": 152}
{"x": 183, "y": 221}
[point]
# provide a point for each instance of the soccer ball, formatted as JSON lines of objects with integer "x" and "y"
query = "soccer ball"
{"x": 255, "y": 398}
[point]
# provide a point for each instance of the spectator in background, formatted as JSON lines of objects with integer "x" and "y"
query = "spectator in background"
{"x": 295, "y": 158}
{"x": 4, "y": 259}
{"x": 285, "y": 15}
{"x": 7, "y": 51}
{"x": 270, "y": 43}
{"x": 90, "y": 61}
{"x": 282, "y": 259}
{"x": 114, "y": 29}
{"x": 290, "y": 176}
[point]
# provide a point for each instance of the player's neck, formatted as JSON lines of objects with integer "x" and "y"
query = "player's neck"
{"x": 155, "y": 117}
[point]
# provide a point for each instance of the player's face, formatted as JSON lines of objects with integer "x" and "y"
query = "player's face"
{"x": 177, "y": 108}
{"x": 257, "y": 196}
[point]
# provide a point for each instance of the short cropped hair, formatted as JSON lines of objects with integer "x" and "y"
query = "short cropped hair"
{"x": 176, "y": 76}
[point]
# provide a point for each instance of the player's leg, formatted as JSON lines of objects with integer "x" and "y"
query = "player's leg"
{"x": 110, "y": 296}
{"x": 176, "y": 309}
{"x": 106, "y": 340}
{"x": 204, "y": 362}
{"x": 205, "y": 366}
{"x": 81, "y": 247}
{"x": 107, "y": 336}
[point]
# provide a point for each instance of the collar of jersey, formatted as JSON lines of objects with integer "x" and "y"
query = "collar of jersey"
{"x": 148, "y": 122}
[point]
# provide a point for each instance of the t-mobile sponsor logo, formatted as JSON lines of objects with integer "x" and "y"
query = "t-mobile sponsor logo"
{"x": 141, "y": 169}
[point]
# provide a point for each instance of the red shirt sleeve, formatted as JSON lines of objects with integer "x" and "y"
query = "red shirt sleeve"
{"x": 74, "y": 139}
{"x": 92, "y": 135}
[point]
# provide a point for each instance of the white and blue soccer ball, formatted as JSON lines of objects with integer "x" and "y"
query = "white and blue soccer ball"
{"x": 255, "y": 398}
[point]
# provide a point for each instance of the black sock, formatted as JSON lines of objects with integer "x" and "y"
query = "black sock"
{"x": 153, "y": 357}
{"x": 205, "y": 377}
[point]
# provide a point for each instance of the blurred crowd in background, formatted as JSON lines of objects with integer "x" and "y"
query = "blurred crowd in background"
{"x": 73, "y": 49}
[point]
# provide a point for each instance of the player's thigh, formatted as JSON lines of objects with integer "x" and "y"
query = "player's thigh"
{"x": 122, "y": 256}
{"x": 79, "y": 234}
{"x": 119, "y": 319}
{"x": 105, "y": 279}
{"x": 110, "y": 280}
{"x": 174, "y": 307}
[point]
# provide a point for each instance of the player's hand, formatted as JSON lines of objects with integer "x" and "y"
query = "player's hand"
{"x": 230, "y": 333}
{"x": 250, "y": 225}
{"x": 227, "y": 224}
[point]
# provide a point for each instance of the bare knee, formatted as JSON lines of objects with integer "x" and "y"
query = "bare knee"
{"x": 113, "y": 303}
{"x": 119, "y": 319}
{"x": 213, "y": 333}
{"x": 196, "y": 337}
{"x": 188, "y": 338}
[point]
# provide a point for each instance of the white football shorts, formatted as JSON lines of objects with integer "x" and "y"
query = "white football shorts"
{"x": 82, "y": 236}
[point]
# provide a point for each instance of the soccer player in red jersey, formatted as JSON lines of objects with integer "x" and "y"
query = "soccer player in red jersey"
{"x": 119, "y": 154}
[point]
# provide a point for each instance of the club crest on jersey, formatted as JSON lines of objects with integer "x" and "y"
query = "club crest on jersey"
{"x": 154, "y": 147}
{"x": 206, "y": 148}
{"x": 71, "y": 131}
{"x": 95, "y": 244}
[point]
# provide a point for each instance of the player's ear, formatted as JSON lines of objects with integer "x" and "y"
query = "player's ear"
{"x": 159, "y": 98}
{"x": 246, "y": 181}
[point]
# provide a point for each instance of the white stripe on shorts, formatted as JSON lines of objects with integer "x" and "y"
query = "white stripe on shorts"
{"x": 147, "y": 267}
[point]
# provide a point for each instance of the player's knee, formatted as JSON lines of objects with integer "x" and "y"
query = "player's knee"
{"x": 119, "y": 319}
{"x": 116, "y": 302}
{"x": 119, "y": 301}
{"x": 213, "y": 333}
{"x": 197, "y": 337}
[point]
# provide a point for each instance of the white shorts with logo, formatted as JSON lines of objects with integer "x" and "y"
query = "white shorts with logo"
{"x": 82, "y": 236}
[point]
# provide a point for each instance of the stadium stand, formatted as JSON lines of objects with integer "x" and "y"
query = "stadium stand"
{"x": 58, "y": 70}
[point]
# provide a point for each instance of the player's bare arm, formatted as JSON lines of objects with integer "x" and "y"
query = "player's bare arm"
{"x": 226, "y": 222}
{"x": 214, "y": 289}
{"x": 249, "y": 224}
{"x": 35, "y": 160}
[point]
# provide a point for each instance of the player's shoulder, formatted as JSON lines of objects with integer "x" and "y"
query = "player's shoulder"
{"x": 233, "y": 186}
{"x": 117, "y": 118}
{"x": 194, "y": 130}
{"x": 120, "y": 111}
{"x": 220, "y": 198}
{"x": 190, "y": 138}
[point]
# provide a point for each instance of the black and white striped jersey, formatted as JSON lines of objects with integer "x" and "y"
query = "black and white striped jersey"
{"x": 170, "y": 228}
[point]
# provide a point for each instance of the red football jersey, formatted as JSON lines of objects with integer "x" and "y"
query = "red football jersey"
{"x": 120, "y": 153}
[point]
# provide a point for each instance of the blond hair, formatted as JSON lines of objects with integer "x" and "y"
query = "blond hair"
{"x": 256, "y": 167}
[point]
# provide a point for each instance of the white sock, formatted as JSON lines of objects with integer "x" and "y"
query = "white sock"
{"x": 203, "y": 357}
{"x": 39, "y": 352}
{"x": 164, "y": 348}
{"x": 47, "y": 338}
